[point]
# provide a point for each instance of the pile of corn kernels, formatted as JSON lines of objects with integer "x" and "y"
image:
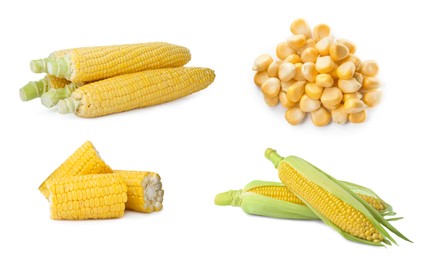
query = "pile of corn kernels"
{"x": 318, "y": 74}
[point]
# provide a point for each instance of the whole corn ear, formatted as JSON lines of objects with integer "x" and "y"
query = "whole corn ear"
{"x": 93, "y": 196}
{"x": 35, "y": 89}
{"x": 136, "y": 90}
{"x": 95, "y": 63}
{"x": 85, "y": 160}
{"x": 145, "y": 192}
{"x": 52, "y": 96}
{"x": 334, "y": 203}
{"x": 279, "y": 191}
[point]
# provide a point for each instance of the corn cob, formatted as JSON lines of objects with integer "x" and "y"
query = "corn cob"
{"x": 41, "y": 65}
{"x": 334, "y": 203}
{"x": 95, "y": 63}
{"x": 259, "y": 198}
{"x": 145, "y": 192}
{"x": 85, "y": 160}
{"x": 93, "y": 196}
{"x": 35, "y": 89}
{"x": 136, "y": 90}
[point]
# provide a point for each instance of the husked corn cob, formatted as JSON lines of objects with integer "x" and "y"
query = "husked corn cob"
{"x": 93, "y": 196}
{"x": 277, "y": 192}
{"x": 145, "y": 192}
{"x": 334, "y": 203}
{"x": 136, "y": 90}
{"x": 85, "y": 160}
{"x": 95, "y": 63}
{"x": 35, "y": 89}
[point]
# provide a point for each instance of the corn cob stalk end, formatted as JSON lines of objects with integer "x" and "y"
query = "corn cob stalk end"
{"x": 59, "y": 67}
{"x": 231, "y": 197}
{"x": 68, "y": 105}
{"x": 33, "y": 89}
{"x": 273, "y": 156}
{"x": 53, "y": 96}
{"x": 39, "y": 66}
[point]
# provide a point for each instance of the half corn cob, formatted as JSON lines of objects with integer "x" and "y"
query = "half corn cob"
{"x": 95, "y": 63}
{"x": 274, "y": 199}
{"x": 136, "y": 90}
{"x": 145, "y": 192}
{"x": 334, "y": 203}
{"x": 85, "y": 160}
{"x": 35, "y": 89}
{"x": 93, "y": 196}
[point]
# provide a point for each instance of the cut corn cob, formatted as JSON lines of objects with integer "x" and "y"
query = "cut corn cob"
{"x": 96, "y": 63}
{"x": 35, "y": 89}
{"x": 334, "y": 203}
{"x": 93, "y": 196}
{"x": 52, "y": 96}
{"x": 271, "y": 191}
{"x": 41, "y": 65}
{"x": 136, "y": 90}
{"x": 145, "y": 192}
{"x": 85, "y": 160}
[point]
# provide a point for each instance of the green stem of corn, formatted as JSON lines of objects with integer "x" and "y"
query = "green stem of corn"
{"x": 53, "y": 96}
{"x": 231, "y": 197}
{"x": 39, "y": 66}
{"x": 58, "y": 67}
{"x": 68, "y": 105}
{"x": 34, "y": 89}
{"x": 273, "y": 156}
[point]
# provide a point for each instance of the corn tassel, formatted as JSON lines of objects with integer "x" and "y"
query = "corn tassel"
{"x": 35, "y": 89}
{"x": 136, "y": 90}
{"x": 95, "y": 63}
{"x": 93, "y": 196}
{"x": 334, "y": 203}
{"x": 85, "y": 160}
{"x": 277, "y": 191}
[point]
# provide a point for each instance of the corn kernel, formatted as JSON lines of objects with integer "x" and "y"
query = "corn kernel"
{"x": 286, "y": 84}
{"x": 346, "y": 70}
{"x": 309, "y": 71}
{"x": 320, "y": 117}
{"x": 351, "y": 46}
{"x": 296, "y": 41}
{"x": 286, "y": 71}
{"x": 271, "y": 101}
{"x": 355, "y": 95}
{"x": 295, "y": 91}
{"x": 324, "y": 64}
{"x": 372, "y": 98}
{"x": 324, "y": 80}
{"x": 349, "y": 85}
{"x": 324, "y": 44}
{"x": 353, "y": 105}
{"x": 283, "y": 50}
{"x": 300, "y": 26}
{"x": 292, "y": 58}
{"x": 313, "y": 90}
{"x": 294, "y": 116}
{"x": 369, "y": 68}
{"x": 370, "y": 83}
{"x": 307, "y": 104}
{"x": 321, "y": 31}
{"x": 262, "y": 62}
{"x": 358, "y": 117}
{"x": 273, "y": 68}
{"x": 260, "y": 77}
{"x": 338, "y": 52}
{"x": 309, "y": 54}
{"x": 271, "y": 87}
{"x": 310, "y": 43}
{"x": 298, "y": 72}
{"x": 339, "y": 115}
{"x": 285, "y": 102}
{"x": 354, "y": 59}
{"x": 331, "y": 96}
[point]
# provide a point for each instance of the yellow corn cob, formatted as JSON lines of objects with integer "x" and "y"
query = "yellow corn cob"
{"x": 85, "y": 160}
{"x": 136, "y": 90}
{"x": 96, "y": 63}
{"x": 93, "y": 196}
{"x": 144, "y": 190}
{"x": 284, "y": 194}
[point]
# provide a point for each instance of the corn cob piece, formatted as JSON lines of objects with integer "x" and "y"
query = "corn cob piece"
{"x": 136, "y": 90}
{"x": 93, "y": 196}
{"x": 145, "y": 192}
{"x": 95, "y": 63}
{"x": 334, "y": 203}
{"x": 259, "y": 198}
{"x": 85, "y": 160}
{"x": 35, "y": 89}
{"x": 52, "y": 96}
{"x": 41, "y": 65}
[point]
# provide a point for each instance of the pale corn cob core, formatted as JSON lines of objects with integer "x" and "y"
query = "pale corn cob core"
{"x": 136, "y": 90}
{"x": 85, "y": 160}
{"x": 346, "y": 217}
{"x": 145, "y": 192}
{"x": 94, "y": 196}
{"x": 95, "y": 63}
{"x": 277, "y": 192}
{"x": 284, "y": 194}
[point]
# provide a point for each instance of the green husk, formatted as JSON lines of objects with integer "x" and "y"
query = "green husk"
{"x": 333, "y": 186}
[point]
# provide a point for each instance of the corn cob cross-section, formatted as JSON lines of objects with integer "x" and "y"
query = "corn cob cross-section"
{"x": 95, "y": 63}
{"x": 145, "y": 192}
{"x": 334, "y": 203}
{"x": 136, "y": 90}
{"x": 93, "y": 196}
{"x": 85, "y": 160}
{"x": 274, "y": 199}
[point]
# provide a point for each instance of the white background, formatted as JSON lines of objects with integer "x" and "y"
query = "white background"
{"x": 214, "y": 140}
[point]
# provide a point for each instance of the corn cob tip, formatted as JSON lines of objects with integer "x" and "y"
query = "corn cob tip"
{"x": 67, "y": 105}
{"x": 231, "y": 197}
{"x": 273, "y": 156}
{"x": 33, "y": 89}
{"x": 38, "y": 66}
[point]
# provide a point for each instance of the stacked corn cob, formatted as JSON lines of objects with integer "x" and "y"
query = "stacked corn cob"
{"x": 84, "y": 187}
{"x": 306, "y": 192}
{"x": 96, "y": 81}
